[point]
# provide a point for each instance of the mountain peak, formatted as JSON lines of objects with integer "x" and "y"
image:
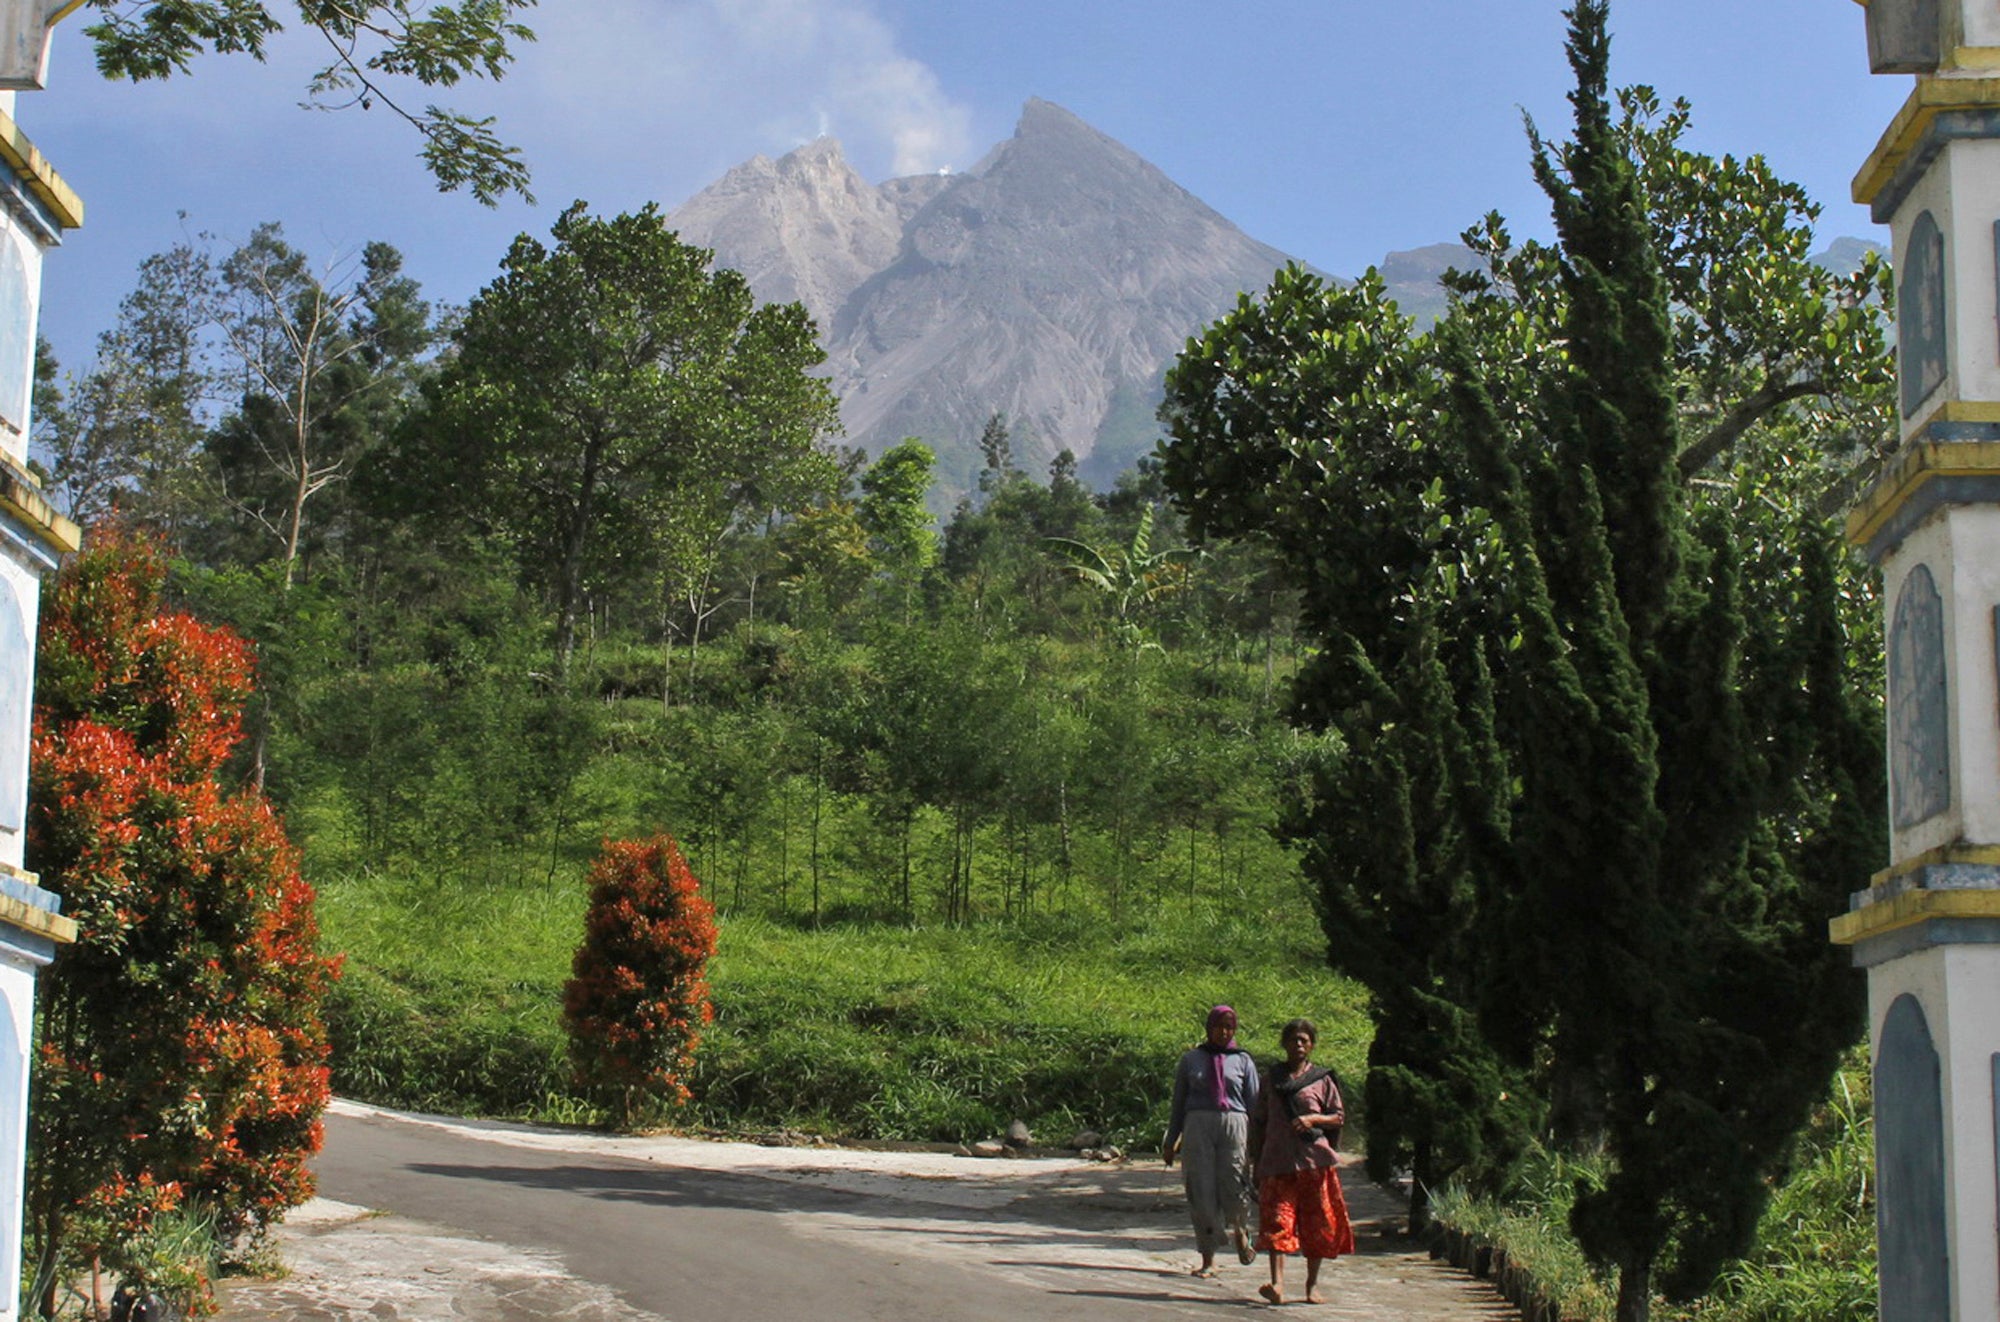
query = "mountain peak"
{"x": 1053, "y": 283}
{"x": 821, "y": 151}
{"x": 806, "y": 226}
{"x": 1039, "y": 116}
{"x": 1046, "y": 129}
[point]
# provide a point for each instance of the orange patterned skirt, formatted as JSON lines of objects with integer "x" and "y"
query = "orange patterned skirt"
{"x": 1303, "y": 1211}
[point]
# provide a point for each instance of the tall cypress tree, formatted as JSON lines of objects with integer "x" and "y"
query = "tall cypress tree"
{"x": 1585, "y": 824}
{"x": 1659, "y": 839}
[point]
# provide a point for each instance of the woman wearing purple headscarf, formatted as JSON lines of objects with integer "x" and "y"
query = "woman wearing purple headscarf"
{"x": 1215, "y": 1092}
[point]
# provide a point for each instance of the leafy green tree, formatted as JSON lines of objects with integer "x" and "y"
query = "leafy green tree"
{"x": 78, "y": 446}
{"x": 1069, "y": 511}
{"x": 994, "y": 545}
{"x": 424, "y": 715}
{"x": 826, "y": 560}
{"x": 1044, "y": 749}
{"x": 996, "y": 453}
{"x": 1585, "y": 821}
{"x": 942, "y": 710}
{"x": 1118, "y": 790}
{"x": 900, "y": 528}
{"x": 377, "y": 46}
{"x": 613, "y": 408}
{"x": 318, "y": 361}
{"x": 128, "y": 433}
{"x": 1761, "y": 331}
{"x": 314, "y": 364}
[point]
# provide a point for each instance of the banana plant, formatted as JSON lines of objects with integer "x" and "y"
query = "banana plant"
{"x": 1133, "y": 576}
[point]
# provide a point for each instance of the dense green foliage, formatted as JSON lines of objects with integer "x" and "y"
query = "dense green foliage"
{"x": 1589, "y": 818}
{"x": 612, "y": 411}
{"x": 859, "y": 726}
{"x": 1815, "y": 1255}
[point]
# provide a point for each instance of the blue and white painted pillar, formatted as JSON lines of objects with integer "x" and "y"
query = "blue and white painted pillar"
{"x": 1927, "y": 929}
{"x": 35, "y": 208}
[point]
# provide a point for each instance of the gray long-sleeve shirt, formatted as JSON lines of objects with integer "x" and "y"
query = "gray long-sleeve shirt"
{"x": 1194, "y": 1085}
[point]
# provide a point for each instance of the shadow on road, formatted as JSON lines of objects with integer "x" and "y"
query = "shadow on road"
{"x": 897, "y": 1209}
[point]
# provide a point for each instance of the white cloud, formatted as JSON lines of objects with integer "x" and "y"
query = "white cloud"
{"x": 690, "y": 87}
{"x": 620, "y": 102}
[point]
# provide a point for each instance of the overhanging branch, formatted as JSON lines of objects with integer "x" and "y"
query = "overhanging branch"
{"x": 1752, "y": 409}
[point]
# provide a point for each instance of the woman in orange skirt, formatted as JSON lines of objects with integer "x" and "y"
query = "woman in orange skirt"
{"x": 1299, "y": 1203}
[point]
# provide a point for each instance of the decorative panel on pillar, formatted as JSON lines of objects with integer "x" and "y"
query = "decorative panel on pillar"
{"x": 1926, "y": 928}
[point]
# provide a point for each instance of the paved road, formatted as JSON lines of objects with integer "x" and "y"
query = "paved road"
{"x": 427, "y": 1221}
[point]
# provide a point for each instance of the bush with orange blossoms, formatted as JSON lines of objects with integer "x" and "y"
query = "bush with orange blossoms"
{"x": 637, "y": 998}
{"x": 180, "y": 1056}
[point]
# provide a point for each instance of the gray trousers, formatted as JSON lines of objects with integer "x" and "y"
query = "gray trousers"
{"x": 1216, "y": 1173}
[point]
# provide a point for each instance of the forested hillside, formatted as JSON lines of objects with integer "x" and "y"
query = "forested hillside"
{"x": 515, "y": 590}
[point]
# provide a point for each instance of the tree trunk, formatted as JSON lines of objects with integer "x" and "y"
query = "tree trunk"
{"x": 556, "y": 835}
{"x": 569, "y": 583}
{"x": 1191, "y": 862}
{"x": 1065, "y": 856}
{"x": 667, "y": 671}
{"x": 785, "y": 843}
{"x": 818, "y": 783}
{"x": 1423, "y": 1177}
{"x": 1270, "y": 628}
{"x": 951, "y": 874}
{"x": 301, "y": 488}
{"x": 960, "y": 904}
{"x": 260, "y": 740}
{"x": 1121, "y": 852}
{"x": 1635, "y": 1291}
{"x": 909, "y": 829}
{"x": 694, "y": 655}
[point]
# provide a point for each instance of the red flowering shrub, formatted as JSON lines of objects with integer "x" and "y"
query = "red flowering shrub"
{"x": 637, "y": 998}
{"x": 180, "y": 1052}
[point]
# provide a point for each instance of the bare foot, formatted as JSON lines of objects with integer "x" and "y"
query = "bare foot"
{"x": 1271, "y": 1293}
{"x": 1205, "y": 1271}
{"x": 1313, "y": 1296}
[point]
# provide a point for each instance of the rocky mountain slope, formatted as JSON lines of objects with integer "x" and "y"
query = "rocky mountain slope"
{"x": 1053, "y": 283}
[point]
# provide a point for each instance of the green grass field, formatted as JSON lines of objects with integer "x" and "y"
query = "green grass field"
{"x": 450, "y": 1000}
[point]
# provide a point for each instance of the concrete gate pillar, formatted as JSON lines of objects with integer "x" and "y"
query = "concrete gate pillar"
{"x": 35, "y": 208}
{"x": 1927, "y": 929}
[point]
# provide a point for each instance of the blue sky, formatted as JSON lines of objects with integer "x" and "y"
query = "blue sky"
{"x": 1334, "y": 130}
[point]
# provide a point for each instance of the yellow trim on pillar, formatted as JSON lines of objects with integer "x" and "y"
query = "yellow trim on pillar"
{"x": 1923, "y": 462}
{"x": 1909, "y": 909}
{"x": 1963, "y": 410}
{"x": 61, "y": 930}
{"x": 1931, "y": 98}
{"x": 21, "y": 496}
{"x": 1975, "y": 59}
{"x": 1977, "y": 855}
{"x": 30, "y": 918}
{"x": 40, "y": 177}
